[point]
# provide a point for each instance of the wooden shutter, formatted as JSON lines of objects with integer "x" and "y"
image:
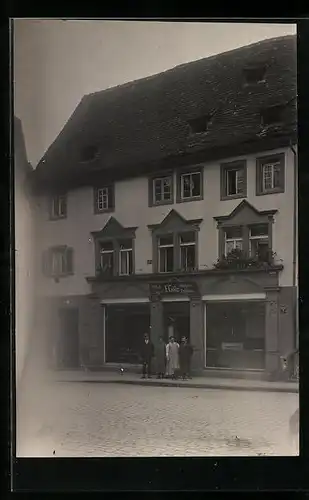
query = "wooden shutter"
{"x": 69, "y": 260}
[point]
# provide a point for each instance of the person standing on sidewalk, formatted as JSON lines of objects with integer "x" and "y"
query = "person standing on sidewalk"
{"x": 147, "y": 354}
{"x": 185, "y": 353}
{"x": 172, "y": 358}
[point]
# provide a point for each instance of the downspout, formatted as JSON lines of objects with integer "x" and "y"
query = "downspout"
{"x": 295, "y": 220}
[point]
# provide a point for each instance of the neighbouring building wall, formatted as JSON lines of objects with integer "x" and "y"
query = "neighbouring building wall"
{"x": 24, "y": 268}
{"x": 131, "y": 209}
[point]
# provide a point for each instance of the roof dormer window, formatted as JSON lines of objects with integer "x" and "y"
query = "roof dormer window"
{"x": 89, "y": 153}
{"x": 200, "y": 124}
{"x": 254, "y": 74}
{"x": 272, "y": 115}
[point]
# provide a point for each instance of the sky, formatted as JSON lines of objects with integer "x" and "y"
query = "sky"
{"x": 57, "y": 62}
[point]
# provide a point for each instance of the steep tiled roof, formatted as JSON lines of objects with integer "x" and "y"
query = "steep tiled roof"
{"x": 147, "y": 120}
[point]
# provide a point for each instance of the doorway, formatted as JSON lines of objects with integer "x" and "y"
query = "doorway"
{"x": 68, "y": 353}
{"x": 176, "y": 317}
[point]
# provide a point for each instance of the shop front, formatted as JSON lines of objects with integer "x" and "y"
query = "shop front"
{"x": 235, "y": 334}
{"x": 234, "y": 321}
{"x": 125, "y": 325}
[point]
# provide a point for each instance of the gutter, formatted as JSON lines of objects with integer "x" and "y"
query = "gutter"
{"x": 295, "y": 220}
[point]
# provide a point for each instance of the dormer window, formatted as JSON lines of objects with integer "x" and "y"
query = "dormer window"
{"x": 254, "y": 74}
{"x": 200, "y": 125}
{"x": 89, "y": 153}
{"x": 272, "y": 115}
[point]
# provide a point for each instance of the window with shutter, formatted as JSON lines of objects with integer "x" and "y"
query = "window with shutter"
{"x": 270, "y": 174}
{"x": 58, "y": 261}
{"x": 233, "y": 180}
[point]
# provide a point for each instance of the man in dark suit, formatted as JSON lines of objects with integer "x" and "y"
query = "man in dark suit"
{"x": 147, "y": 352}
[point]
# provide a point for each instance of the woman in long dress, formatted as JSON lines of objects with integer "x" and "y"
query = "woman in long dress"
{"x": 172, "y": 358}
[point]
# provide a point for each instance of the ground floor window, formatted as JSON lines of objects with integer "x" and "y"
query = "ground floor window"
{"x": 235, "y": 335}
{"x": 125, "y": 325}
{"x": 176, "y": 320}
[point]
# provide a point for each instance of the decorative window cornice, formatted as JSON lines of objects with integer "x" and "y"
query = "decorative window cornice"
{"x": 245, "y": 214}
{"x": 114, "y": 230}
{"x": 174, "y": 222}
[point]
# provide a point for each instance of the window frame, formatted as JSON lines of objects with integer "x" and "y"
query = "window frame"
{"x": 110, "y": 197}
{"x": 159, "y": 247}
{"x": 151, "y": 190}
{"x": 229, "y": 240}
{"x": 116, "y": 251}
{"x": 127, "y": 251}
{"x": 262, "y": 161}
{"x": 265, "y": 237}
{"x": 192, "y": 243}
{"x": 180, "y": 175}
{"x": 232, "y": 166}
{"x": 52, "y": 214}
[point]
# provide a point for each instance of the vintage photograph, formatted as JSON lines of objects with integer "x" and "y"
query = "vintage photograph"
{"x": 156, "y": 243}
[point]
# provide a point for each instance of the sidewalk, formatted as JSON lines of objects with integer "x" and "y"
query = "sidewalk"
{"x": 196, "y": 382}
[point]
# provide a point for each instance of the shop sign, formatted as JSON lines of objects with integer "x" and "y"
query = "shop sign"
{"x": 185, "y": 288}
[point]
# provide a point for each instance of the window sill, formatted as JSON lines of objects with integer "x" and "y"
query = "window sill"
{"x": 272, "y": 191}
{"x": 60, "y": 217}
{"x": 105, "y": 211}
{"x": 233, "y": 197}
{"x": 185, "y": 200}
{"x": 160, "y": 203}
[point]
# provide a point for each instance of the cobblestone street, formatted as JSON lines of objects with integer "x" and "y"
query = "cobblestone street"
{"x": 94, "y": 419}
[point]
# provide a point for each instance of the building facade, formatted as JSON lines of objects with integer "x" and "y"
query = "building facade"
{"x": 24, "y": 252}
{"x": 168, "y": 205}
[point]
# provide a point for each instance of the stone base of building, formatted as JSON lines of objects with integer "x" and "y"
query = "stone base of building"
{"x": 240, "y": 323}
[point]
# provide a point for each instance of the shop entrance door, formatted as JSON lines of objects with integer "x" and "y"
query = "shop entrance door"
{"x": 176, "y": 316}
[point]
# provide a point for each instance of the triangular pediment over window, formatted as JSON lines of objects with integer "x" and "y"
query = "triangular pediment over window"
{"x": 175, "y": 222}
{"x": 231, "y": 286}
{"x": 245, "y": 214}
{"x": 113, "y": 229}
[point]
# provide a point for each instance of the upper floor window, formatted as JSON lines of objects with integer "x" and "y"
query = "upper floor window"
{"x": 189, "y": 186}
{"x": 58, "y": 206}
{"x": 188, "y": 251}
{"x": 270, "y": 174}
{"x": 233, "y": 180}
{"x": 259, "y": 241}
{"x": 166, "y": 254}
{"x": 233, "y": 239}
{"x": 104, "y": 199}
{"x": 161, "y": 189}
{"x": 58, "y": 261}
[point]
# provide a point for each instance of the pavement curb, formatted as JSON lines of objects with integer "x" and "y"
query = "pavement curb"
{"x": 191, "y": 385}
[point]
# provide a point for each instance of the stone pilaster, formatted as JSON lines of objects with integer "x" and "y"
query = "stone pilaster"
{"x": 156, "y": 320}
{"x": 197, "y": 333}
{"x": 272, "y": 361}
